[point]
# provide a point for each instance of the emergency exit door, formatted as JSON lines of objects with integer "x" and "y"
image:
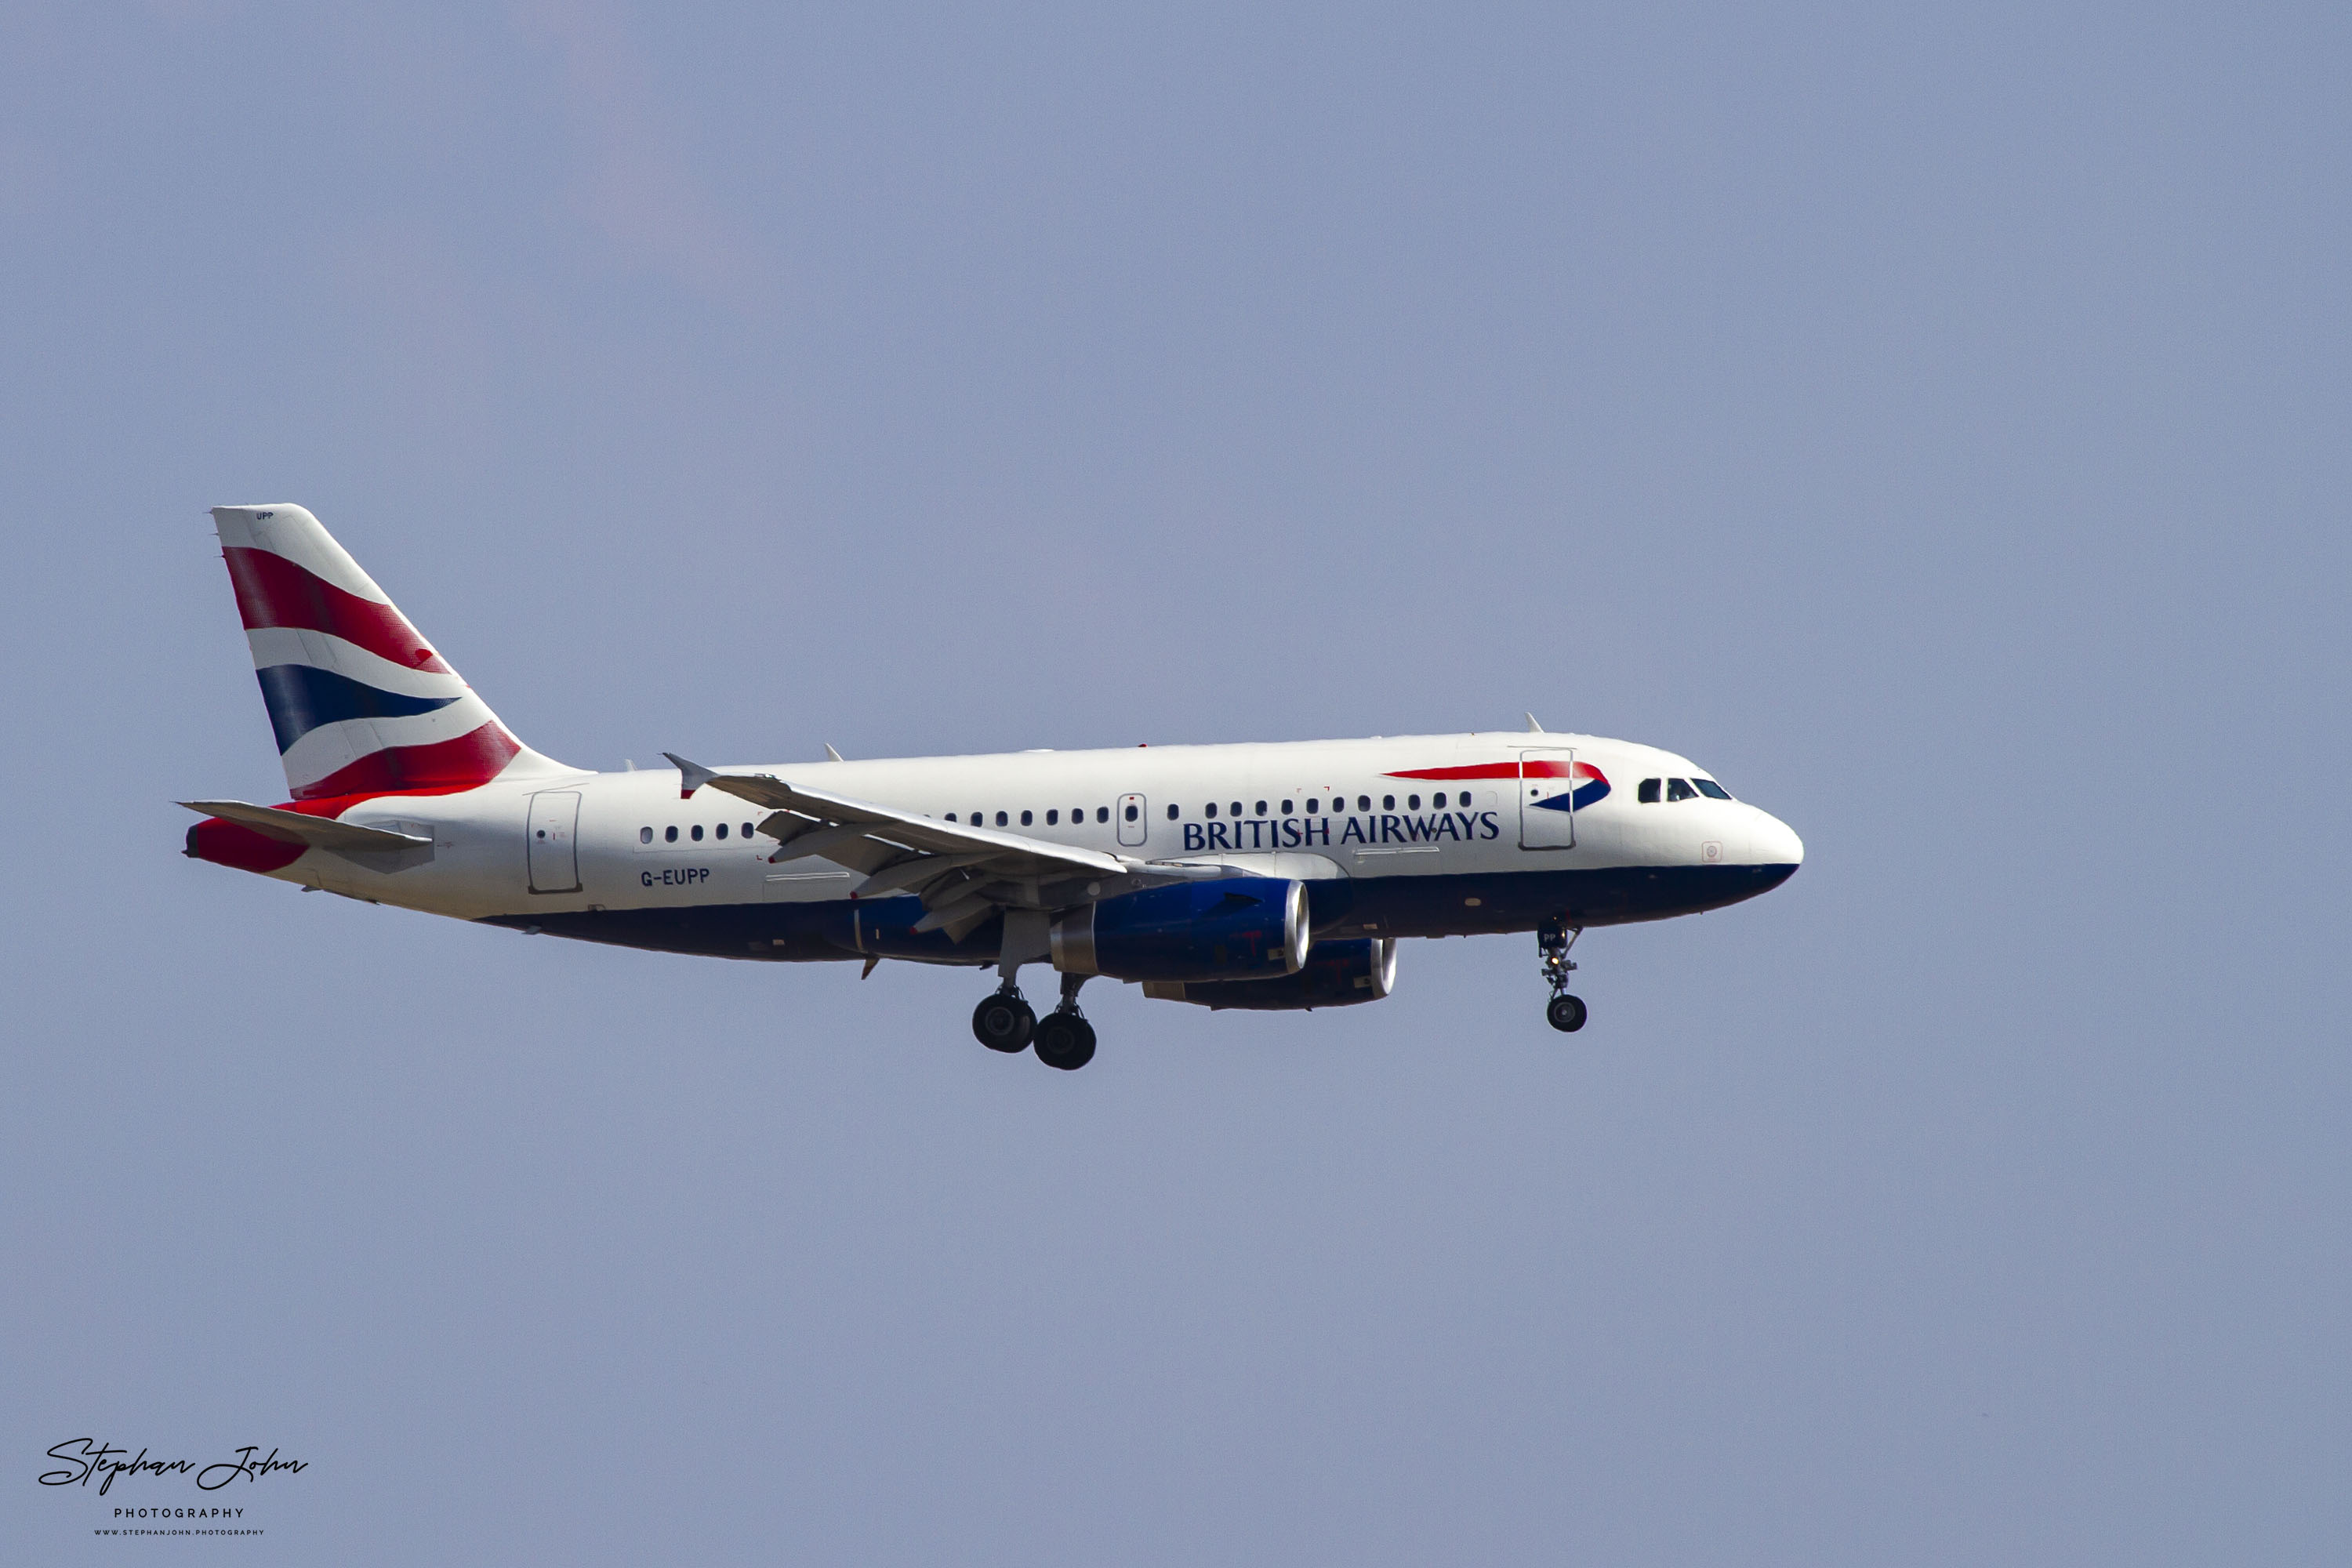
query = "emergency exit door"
{"x": 1547, "y": 799}
{"x": 554, "y": 849}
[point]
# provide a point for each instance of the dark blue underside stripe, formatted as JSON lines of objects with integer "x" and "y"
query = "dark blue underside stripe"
{"x": 303, "y": 697}
{"x": 1342, "y": 907}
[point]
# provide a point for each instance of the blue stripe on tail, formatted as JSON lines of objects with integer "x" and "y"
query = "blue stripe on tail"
{"x": 303, "y": 697}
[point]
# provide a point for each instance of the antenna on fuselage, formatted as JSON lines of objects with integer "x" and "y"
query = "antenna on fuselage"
{"x": 1534, "y": 727}
{"x": 836, "y": 756}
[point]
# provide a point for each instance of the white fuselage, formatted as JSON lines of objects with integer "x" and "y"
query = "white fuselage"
{"x": 1357, "y": 819}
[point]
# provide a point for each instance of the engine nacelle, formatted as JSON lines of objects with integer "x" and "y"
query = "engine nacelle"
{"x": 1336, "y": 974}
{"x": 1235, "y": 927}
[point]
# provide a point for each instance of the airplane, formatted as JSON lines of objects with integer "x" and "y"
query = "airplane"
{"x": 1261, "y": 876}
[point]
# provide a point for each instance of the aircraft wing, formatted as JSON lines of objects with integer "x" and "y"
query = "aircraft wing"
{"x": 963, "y": 872}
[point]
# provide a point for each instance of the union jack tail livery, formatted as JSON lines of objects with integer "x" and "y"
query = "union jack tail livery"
{"x": 361, "y": 704}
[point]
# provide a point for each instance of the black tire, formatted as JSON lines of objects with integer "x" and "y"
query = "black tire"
{"x": 1566, "y": 1014}
{"x": 1003, "y": 1022}
{"x": 1066, "y": 1041}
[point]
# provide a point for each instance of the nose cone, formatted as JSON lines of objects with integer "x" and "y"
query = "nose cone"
{"x": 1772, "y": 842}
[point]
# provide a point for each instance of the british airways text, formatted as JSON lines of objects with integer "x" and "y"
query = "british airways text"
{"x": 1293, "y": 832}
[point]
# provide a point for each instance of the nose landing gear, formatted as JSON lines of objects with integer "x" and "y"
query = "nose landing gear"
{"x": 1554, "y": 938}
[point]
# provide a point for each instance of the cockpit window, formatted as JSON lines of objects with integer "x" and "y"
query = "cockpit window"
{"x": 1712, "y": 790}
{"x": 1680, "y": 789}
{"x": 1648, "y": 794}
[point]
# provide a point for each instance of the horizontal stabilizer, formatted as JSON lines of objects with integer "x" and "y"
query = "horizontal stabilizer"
{"x": 295, "y": 827}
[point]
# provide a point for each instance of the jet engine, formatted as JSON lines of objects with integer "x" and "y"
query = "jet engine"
{"x": 1336, "y": 974}
{"x": 1232, "y": 928}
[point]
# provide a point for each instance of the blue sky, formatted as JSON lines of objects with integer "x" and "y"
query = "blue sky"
{"x": 1933, "y": 422}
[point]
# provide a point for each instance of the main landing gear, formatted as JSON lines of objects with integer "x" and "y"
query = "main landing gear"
{"x": 1564, "y": 1012}
{"x": 1062, "y": 1038}
{"x": 1003, "y": 1022}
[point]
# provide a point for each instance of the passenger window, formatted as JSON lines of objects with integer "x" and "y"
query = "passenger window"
{"x": 670, "y": 835}
{"x": 1388, "y": 803}
{"x": 1680, "y": 789}
{"x": 1363, "y": 802}
{"x": 1285, "y": 808}
{"x": 723, "y": 830}
{"x": 1000, "y": 820}
{"x": 747, "y": 830}
{"x": 1212, "y": 809}
{"x": 1413, "y": 803}
{"x": 1130, "y": 814}
{"x": 644, "y": 835}
{"x": 1237, "y": 809}
{"x": 697, "y": 832}
{"x": 1648, "y": 794}
{"x": 1711, "y": 789}
{"x": 950, "y": 816}
{"x": 1024, "y": 819}
{"x": 1134, "y": 812}
{"x": 1053, "y": 819}
{"x": 1261, "y": 809}
{"x": 1312, "y": 804}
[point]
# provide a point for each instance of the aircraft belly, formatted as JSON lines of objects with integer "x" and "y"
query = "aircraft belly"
{"x": 1473, "y": 904}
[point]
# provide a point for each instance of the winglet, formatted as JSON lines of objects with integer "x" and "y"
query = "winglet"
{"x": 691, "y": 776}
{"x": 1533, "y": 729}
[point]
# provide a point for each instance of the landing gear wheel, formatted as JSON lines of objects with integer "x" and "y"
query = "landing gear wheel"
{"x": 1565, "y": 1013}
{"x": 1066, "y": 1041}
{"x": 1003, "y": 1022}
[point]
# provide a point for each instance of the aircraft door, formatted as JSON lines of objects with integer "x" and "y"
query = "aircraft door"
{"x": 1134, "y": 819}
{"x": 1548, "y": 800}
{"x": 554, "y": 847}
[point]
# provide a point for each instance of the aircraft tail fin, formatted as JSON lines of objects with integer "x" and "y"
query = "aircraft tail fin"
{"x": 359, "y": 703}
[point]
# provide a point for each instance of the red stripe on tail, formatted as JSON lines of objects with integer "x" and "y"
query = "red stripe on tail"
{"x": 272, "y": 591}
{"x": 442, "y": 768}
